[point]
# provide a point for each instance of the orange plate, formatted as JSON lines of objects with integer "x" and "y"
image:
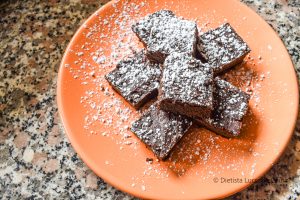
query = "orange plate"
{"x": 203, "y": 165}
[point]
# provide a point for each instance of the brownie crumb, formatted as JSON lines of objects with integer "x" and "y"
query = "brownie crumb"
{"x": 149, "y": 160}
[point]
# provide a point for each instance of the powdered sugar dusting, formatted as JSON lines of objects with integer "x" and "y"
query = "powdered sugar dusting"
{"x": 182, "y": 81}
{"x": 161, "y": 130}
{"x": 231, "y": 105}
{"x": 163, "y": 33}
{"x": 222, "y": 46}
{"x": 136, "y": 78}
{"x": 200, "y": 153}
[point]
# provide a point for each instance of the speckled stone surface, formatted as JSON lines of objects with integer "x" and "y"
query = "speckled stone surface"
{"x": 36, "y": 159}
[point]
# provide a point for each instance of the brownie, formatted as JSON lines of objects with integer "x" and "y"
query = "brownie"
{"x": 186, "y": 86}
{"x": 222, "y": 48}
{"x": 163, "y": 33}
{"x": 231, "y": 105}
{"x": 136, "y": 79}
{"x": 160, "y": 130}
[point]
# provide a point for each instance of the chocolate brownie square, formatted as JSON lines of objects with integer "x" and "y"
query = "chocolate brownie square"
{"x": 222, "y": 48}
{"x": 186, "y": 86}
{"x": 163, "y": 33}
{"x": 160, "y": 130}
{"x": 231, "y": 105}
{"x": 136, "y": 79}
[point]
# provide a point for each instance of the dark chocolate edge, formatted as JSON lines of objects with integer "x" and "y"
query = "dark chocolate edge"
{"x": 195, "y": 49}
{"x": 220, "y": 131}
{"x": 221, "y": 69}
{"x": 167, "y": 105}
{"x": 156, "y": 56}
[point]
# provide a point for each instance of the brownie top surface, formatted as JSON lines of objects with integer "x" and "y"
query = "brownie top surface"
{"x": 222, "y": 45}
{"x": 135, "y": 76}
{"x": 230, "y": 106}
{"x": 160, "y": 130}
{"x": 163, "y": 32}
{"x": 187, "y": 80}
{"x": 231, "y": 102}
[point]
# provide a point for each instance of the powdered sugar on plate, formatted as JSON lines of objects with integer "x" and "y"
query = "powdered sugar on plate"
{"x": 200, "y": 153}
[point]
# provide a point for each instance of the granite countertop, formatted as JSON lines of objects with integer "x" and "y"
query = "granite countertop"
{"x": 36, "y": 159}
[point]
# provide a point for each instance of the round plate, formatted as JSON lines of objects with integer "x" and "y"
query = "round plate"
{"x": 203, "y": 165}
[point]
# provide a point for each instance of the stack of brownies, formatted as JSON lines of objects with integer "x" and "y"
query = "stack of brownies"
{"x": 181, "y": 69}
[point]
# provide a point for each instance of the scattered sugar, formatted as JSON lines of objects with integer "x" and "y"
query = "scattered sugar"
{"x": 104, "y": 105}
{"x": 143, "y": 188}
{"x": 252, "y": 169}
{"x": 270, "y": 47}
{"x": 80, "y": 54}
{"x": 128, "y": 143}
